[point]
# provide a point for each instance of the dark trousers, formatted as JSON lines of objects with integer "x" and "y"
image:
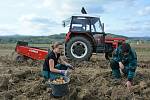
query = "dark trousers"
{"x": 130, "y": 73}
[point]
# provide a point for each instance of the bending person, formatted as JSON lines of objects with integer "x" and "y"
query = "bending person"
{"x": 124, "y": 59}
{"x": 51, "y": 68}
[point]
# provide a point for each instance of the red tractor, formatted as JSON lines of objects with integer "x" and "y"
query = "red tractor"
{"x": 86, "y": 36}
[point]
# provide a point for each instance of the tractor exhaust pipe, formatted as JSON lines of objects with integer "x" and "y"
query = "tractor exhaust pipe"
{"x": 102, "y": 27}
{"x": 83, "y": 11}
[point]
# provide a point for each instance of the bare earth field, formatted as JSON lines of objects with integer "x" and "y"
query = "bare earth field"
{"x": 91, "y": 80}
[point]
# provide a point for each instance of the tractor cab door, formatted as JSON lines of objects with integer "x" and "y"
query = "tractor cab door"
{"x": 98, "y": 34}
{"x": 100, "y": 42}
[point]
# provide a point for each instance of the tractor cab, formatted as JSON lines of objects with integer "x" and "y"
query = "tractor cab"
{"x": 89, "y": 30}
{"x": 87, "y": 26}
{"x": 84, "y": 23}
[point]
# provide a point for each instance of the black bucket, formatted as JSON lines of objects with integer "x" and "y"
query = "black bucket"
{"x": 59, "y": 90}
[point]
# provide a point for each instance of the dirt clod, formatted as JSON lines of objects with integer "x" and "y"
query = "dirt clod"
{"x": 91, "y": 80}
{"x": 4, "y": 83}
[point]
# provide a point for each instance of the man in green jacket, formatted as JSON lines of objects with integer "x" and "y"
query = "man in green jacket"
{"x": 124, "y": 59}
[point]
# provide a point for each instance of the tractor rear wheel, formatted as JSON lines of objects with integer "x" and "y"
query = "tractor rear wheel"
{"x": 79, "y": 48}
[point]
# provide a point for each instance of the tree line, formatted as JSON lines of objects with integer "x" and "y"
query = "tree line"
{"x": 33, "y": 39}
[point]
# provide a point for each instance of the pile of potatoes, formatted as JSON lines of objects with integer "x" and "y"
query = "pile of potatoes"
{"x": 58, "y": 81}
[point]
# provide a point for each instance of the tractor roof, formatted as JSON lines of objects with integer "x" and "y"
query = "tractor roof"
{"x": 68, "y": 20}
{"x": 86, "y": 15}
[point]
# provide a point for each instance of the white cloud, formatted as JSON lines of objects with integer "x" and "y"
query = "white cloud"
{"x": 28, "y": 26}
{"x": 145, "y": 11}
{"x": 137, "y": 28}
{"x": 7, "y": 29}
{"x": 37, "y": 25}
{"x": 44, "y": 17}
{"x": 66, "y": 8}
{"x": 19, "y": 4}
{"x": 61, "y": 8}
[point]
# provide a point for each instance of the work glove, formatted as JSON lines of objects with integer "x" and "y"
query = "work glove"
{"x": 121, "y": 65}
{"x": 70, "y": 66}
{"x": 65, "y": 72}
{"x": 128, "y": 84}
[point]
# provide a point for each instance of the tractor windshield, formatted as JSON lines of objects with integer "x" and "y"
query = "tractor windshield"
{"x": 80, "y": 24}
{"x": 85, "y": 24}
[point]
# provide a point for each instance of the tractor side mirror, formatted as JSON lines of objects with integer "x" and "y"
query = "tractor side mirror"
{"x": 83, "y": 11}
{"x": 63, "y": 24}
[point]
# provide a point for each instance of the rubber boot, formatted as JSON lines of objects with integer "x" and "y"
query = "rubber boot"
{"x": 116, "y": 75}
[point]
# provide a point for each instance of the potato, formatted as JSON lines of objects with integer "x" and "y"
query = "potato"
{"x": 61, "y": 78}
{"x": 59, "y": 81}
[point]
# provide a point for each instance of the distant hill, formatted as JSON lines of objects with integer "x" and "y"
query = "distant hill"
{"x": 32, "y": 39}
{"x": 40, "y": 39}
{"x": 53, "y": 38}
{"x": 114, "y": 35}
{"x": 130, "y": 38}
{"x": 140, "y": 38}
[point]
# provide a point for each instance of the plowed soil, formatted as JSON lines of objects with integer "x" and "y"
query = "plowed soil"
{"x": 91, "y": 80}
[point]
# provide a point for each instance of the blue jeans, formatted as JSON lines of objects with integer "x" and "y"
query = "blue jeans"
{"x": 53, "y": 75}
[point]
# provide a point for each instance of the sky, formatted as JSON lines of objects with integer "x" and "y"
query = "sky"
{"x": 44, "y": 17}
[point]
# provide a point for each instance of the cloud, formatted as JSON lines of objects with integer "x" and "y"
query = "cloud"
{"x": 45, "y": 16}
{"x": 36, "y": 24}
{"x": 18, "y": 5}
{"x": 116, "y": 5}
{"x": 33, "y": 24}
{"x": 66, "y": 8}
{"x": 96, "y": 10}
{"x": 35, "y": 19}
{"x": 132, "y": 28}
{"x": 60, "y": 8}
{"x": 145, "y": 11}
{"x": 6, "y": 29}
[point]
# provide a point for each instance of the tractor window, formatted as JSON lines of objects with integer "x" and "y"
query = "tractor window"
{"x": 80, "y": 24}
{"x": 77, "y": 27}
{"x": 95, "y": 25}
{"x": 87, "y": 28}
{"x": 66, "y": 23}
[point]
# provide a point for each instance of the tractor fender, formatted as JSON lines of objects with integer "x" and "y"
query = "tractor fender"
{"x": 67, "y": 38}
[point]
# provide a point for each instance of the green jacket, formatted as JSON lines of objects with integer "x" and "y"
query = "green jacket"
{"x": 130, "y": 61}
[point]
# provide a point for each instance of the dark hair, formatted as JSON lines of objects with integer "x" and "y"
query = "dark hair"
{"x": 126, "y": 47}
{"x": 56, "y": 44}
